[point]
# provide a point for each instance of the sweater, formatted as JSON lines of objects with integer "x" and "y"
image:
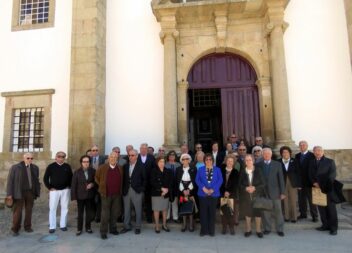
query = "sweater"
{"x": 58, "y": 176}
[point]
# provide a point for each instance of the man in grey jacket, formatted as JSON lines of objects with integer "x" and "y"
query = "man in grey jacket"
{"x": 275, "y": 188}
{"x": 23, "y": 187}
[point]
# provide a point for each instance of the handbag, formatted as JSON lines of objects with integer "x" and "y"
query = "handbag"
{"x": 226, "y": 207}
{"x": 263, "y": 203}
{"x": 186, "y": 207}
{"x": 318, "y": 197}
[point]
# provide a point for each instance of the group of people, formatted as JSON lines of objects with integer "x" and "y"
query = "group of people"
{"x": 181, "y": 187}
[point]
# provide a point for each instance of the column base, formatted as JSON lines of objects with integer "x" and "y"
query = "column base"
{"x": 175, "y": 147}
{"x": 289, "y": 143}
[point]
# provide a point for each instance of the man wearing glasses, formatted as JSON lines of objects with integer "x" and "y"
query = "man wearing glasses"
{"x": 57, "y": 178}
{"x": 23, "y": 187}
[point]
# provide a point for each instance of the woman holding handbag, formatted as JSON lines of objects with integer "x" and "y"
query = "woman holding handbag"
{"x": 209, "y": 180}
{"x": 161, "y": 182}
{"x": 187, "y": 188}
{"x": 251, "y": 185}
{"x": 83, "y": 190}
{"x": 229, "y": 191}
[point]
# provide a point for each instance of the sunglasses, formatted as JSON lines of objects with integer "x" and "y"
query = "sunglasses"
{"x": 29, "y": 158}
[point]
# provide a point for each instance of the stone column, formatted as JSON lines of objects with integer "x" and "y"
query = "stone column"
{"x": 182, "y": 89}
{"x": 168, "y": 37}
{"x": 87, "y": 88}
{"x": 275, "y": 31}
{"x": 266, "y": 112}
{"x": 348, "y": 9}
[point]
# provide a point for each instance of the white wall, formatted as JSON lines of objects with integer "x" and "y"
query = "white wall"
{"x": 319, "y": 73}
{"x": 134, "y": 75}
{"x": 38, "y": 59}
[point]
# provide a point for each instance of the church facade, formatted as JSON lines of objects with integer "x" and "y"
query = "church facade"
{"x": 167, "y": 72}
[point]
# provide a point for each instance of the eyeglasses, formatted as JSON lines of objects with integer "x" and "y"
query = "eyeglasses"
{"x": 29, "y": 158}
{"x": 94, "y": 150}
{"x": 60, "y": 156}
{"x": 256, "y": 150}
{"x": 85, "y": 161}
{"x": 208, "y": 159}
{"x": 241, "y": 150}
{"x": 131, "y": 155}
{"x": 198, "y": 147}
{"x": 184, "y": 159}
{"x": 233, "y": 137}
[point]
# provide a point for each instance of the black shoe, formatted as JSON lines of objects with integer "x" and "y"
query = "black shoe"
{"x": 63, "y": 229}
{"x": 333, "y": 232}
{"x": 104, "y": 236}
{"x": 157, "y": 231}
{"x": 266, "y": 232}
{"x": 114, "y": 232}
{"x": 201, "y": 234}
{"x": 223, "y": 231}
{"x": 14, "y": 233}
{"x": 293, "y": 221}
{"x": 89, "y": 231}
{"x": 125, "y": 230}
{"x": 322, "y": 228}
{"x": 165, "y": 228}
{"x": 286, "y": 220}
{"x": 260, "y": 234}
{"x": 137, "y": 231}
{"x": 281, "y": 234}
{"x": 177, "y": 221}
{"x": 314, "y": 219}
{"x": 211, "y": 234}
{"x": 247, "y": 234}
{"x": 51, "y": 231}
{"x": 302, "y": 217}
{"x": 232, "y": 231}
{"x": 78, "y": 233}
{"x": 183, "y": 229}
{"x": 29, "y": 230}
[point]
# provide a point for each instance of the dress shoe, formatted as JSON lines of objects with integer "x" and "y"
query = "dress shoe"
{"x": 248, "y": 234}
{"x": 315, "y": 219}
{"x": 281, "y": 234}
{"x": 260, "y": 234}
{"x": 165, "y": 228}
{"x": 191, "y": 229}
{"x": 201, "y": 234}
{"x": 14, "y": 233}
{"x": 322, "y": 228}
{"x": 266, "y": 232}
{"x": 302, "y": 217}
{"x": 63, "y": 229}
{"x": 183, "y": 229}
{"x": 211, "y": 234}
{"x": 293, "y": 221}
{"x": 89, "y": 231}
{"x": 29, "y": 230}
{"x": 125, "y": 230}
{"x": 333, "y": 232}
{"x": 51, "y": 231}
{"x": 114, "y": 232}
{"x": 137, "y": 231}
{"x": 232, "y": 231}
{"x": 157, "y": 230}
{"x": 223, "y": 231}
{"x": 287, "y": 220}
{"x": 78, "y": 233}
{"x": 104, "y": 236}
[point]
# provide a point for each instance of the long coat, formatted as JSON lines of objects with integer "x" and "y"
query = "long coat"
{"x": 79, "y": 184}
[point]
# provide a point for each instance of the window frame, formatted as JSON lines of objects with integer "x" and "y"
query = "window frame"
{"x": 16, "y": 26}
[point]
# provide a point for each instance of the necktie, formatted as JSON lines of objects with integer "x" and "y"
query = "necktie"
{"x": 301, "y": 159}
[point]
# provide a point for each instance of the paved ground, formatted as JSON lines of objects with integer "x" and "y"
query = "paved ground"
{"x": 300, "y": 237}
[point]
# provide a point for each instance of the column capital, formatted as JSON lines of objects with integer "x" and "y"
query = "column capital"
{"x": 183, "y": 85}
{"x": 263, "y": 82}
{"x": 271, "y": 26}
{"x": 173, "y": 33}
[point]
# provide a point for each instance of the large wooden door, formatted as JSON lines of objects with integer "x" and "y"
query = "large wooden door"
{"x": 235, "y": 78}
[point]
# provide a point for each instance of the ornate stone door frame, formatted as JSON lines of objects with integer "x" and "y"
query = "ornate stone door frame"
{"x": 252, "y": 29}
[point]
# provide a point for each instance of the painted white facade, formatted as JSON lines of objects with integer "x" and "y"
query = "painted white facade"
{"x": 38, "y": 59}
{"x": 318, "y": 66}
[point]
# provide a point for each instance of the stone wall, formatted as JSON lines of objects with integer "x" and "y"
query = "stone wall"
{"x": 348, "y": 8}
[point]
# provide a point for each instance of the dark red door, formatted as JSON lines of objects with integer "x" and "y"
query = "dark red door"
{"x": 236, "y": 79}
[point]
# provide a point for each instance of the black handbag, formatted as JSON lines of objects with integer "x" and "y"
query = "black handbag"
{"x": 263, "y": 203}
{"x": 336, "y": 194}
{"x": 186, "y": 208}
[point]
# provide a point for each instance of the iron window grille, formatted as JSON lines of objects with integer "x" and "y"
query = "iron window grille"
{"x": 34, "y": 12}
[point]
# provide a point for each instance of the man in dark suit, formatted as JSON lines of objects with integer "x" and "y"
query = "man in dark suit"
{"x": 303, "y": 159}
{"x": 134, "y": 182}
{"x": 97, "y": 160}
{"x": 148, "y": 162}
{"x": 218, "y": 155}
{"x": 275, "y": 188}
{"x": 322, "y": 173}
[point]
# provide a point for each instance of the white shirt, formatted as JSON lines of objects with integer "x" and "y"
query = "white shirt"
{"x": 131, "y": 169}
{"x": 250, "y": 175}
{"x": 143, "y": 158}
{"x": 215, "y": 154}
{"x": 186, "y": 177}
{"x": 286, "y": 164}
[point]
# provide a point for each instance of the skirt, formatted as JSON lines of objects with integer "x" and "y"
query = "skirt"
{"x": 160, "y": 203}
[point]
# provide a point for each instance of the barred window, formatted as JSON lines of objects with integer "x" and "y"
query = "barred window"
{"x": 206, "y": 97}
{"x": 34, "y": 12}
{"x": 28, "y": 130}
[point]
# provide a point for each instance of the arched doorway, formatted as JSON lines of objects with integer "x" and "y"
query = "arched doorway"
{"x": 222, "y": 99}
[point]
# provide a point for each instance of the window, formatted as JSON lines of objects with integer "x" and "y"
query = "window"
{"x": 32, "y": 14}
{"x": 206, "y": 97}
{"x": 28, "y": 130}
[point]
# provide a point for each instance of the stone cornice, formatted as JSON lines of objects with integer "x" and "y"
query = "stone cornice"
{"x": 28, "y": 93}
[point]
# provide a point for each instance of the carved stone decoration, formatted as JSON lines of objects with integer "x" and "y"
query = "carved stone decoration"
{"x": 221, "y": 27}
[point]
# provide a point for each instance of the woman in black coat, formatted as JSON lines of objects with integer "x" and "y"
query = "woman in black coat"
{"x": 251, "y": 185}
{"x": 83, "y": 190}
{"x": 186, "y": 187}
{"x": 229, "y": 189}
{"x": 161, "y": 180}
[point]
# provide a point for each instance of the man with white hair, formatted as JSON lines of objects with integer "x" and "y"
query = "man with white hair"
{"x": 275, "y": 188}
{"x": 322, "y": 174}
{"x": 23, "y": 187}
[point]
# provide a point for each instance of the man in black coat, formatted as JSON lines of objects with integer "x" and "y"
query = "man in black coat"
{"x": 148, "y": 162}
{"x": 303, "y": 159}
{"x": 322, "y": 173}
{"x": 218, "y": 155}
{"x": 134, "y": 183}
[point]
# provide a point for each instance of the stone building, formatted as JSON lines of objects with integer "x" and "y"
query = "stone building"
{"x": 115, "y": 72}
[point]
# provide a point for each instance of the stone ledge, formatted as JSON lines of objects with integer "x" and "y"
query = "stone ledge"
{"x": 27, "y": 93}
